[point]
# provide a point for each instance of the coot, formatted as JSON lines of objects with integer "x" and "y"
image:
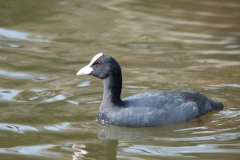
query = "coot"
{"x": 145, "y": 109}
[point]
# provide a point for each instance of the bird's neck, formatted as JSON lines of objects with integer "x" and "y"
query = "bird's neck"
{"x": 112, "y": 89}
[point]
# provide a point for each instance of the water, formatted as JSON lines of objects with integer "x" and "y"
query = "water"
{"x": 45, "y": 109}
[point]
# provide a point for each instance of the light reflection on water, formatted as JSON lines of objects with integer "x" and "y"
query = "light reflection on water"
{"x": 14, "y": 34}
{"x": 15, "y": 75}
{"x": 16, "y": 128}
{"x": 185, "y": 151}
{"x": 42, "y": 95}
{"x": 41, "y": 150}
{"x": 84, "y": 84}
{"x": 46, "y": 110}
{"x": 8, "y": 95}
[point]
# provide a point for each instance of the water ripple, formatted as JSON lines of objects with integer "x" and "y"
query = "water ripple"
{"x": 16, "y": 128}
{"x": 84, "y": 84}
{"x": 8, "y": 94}
{"x": 180, "y": 151}
{"x": 225, "y": 85}
{"x": 37, "y": 150}
{"x": 34, "y": 94}
{"x": 58, "y": 127}
{"x": 18, "y": 75}
{"x": 14, "y": 34}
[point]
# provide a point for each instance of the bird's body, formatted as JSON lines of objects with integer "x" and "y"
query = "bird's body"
{"x": 155, "y": 109}
{"x": 145, "y": 109}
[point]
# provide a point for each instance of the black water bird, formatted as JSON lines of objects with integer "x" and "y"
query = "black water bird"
{"x": 144, "y": 109}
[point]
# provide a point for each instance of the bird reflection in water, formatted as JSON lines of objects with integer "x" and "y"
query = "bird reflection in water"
{"x": 79, "y": 155}
{"x": 111, "y": 137}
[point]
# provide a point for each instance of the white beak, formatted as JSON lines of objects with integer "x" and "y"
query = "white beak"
{"x": 85, "y": 71}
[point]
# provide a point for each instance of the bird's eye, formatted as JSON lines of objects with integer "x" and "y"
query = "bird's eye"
{"x": 98, "y": 63}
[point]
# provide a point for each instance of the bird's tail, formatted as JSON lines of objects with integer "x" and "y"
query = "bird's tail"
{"x": 216, "y": 105}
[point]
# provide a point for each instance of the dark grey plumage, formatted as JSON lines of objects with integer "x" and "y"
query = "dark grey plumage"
{"x": 145, "y": 109}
